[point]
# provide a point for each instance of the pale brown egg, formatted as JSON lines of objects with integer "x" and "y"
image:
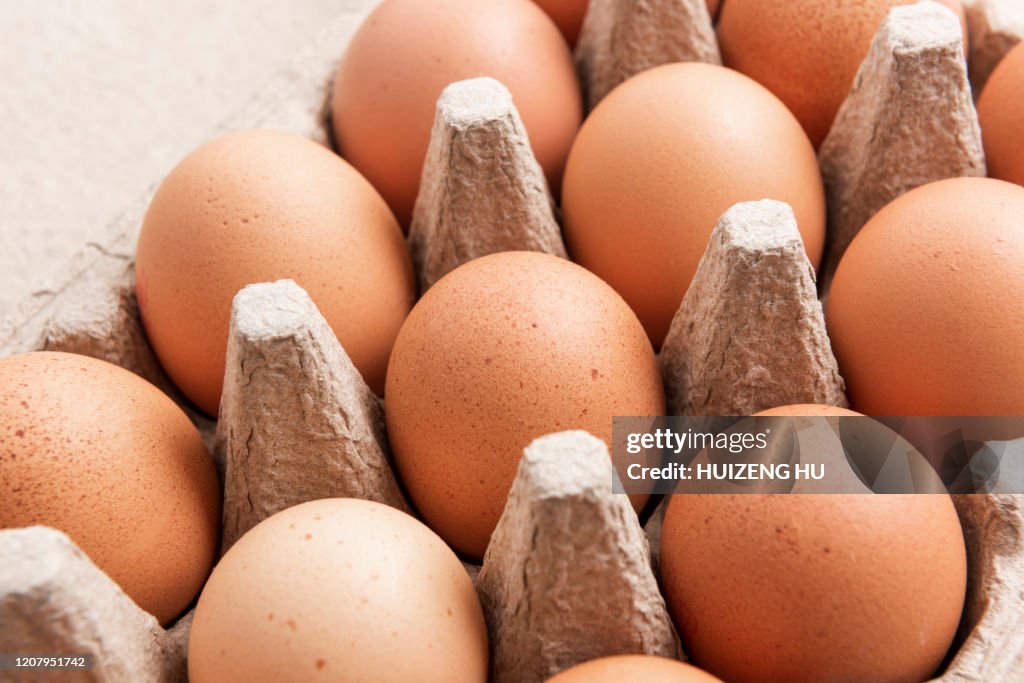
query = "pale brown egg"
{"x": 1001, "y": 111}
{"x": 408, "y": 51}
{"x": 660, "y": 160}
{"x": 810, "y": 588}
{"x": 339, "y": 590}
{"x": 925, "y": 307}
{"x": 639, "y": 668}
{"x": 808, "y": 410}
{"x": 500, "y": 351}
{"x": 97, "y": 452}
{"x": 259, "y": 206}
{"x": 807, "y": 52}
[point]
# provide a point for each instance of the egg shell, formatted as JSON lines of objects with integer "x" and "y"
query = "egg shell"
{"x": 807, "y": 52}
{"x": 794, "y": 588}
{"x": 502, "y": 350}
{"x": 660, "y": 160}
{"x": 260, "y": 206}
{"x": 339, "y": 589}
{"x": 408, "y": 51}
{"x": 633, "y": 668}
{"x": 808, "y": 410}
{"x": 102, "y": 455}
{"x": 1001, "y": 112}
{"x": 569, "y": 15}
{"x": 924, "y": 309}
{"x": 861, "y": 441}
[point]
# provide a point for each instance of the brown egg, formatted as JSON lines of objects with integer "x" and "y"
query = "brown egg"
{"x": 259, "y": 206}
{"x": 639, "y": 668}
{"x": 810, "y": 588}
{"x": 660, "y": 160}
{"x": 502, "y": 350}
{"x": 339, "y": 590}
{"x": 925, "y": 307}
{"x": 1001, "y": 111}
{"x": 408, "y": 51}
{"x": 97, "y": 452}
{"x": 569, "y": 14}
{"x": 808, "y": 410}
{"x": 805, "y": 51}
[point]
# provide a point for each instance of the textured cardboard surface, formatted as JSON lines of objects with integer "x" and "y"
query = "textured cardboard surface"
{"x": 482, "y": 189}
{"x": 621, "y": 38}
{"x": 727, "y": 353}
{"x": 567, "y": 576}
{"x": 53, "y": 600}
{"x": 909, "y": 120}
{"x": 993, "y": 616}
{"x": 995, "y": 27}
{"x": 297, "y": 421}
{"x": 102, "y": 97}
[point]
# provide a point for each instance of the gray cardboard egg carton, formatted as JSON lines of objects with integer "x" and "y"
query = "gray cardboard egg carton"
{"x": 564, "y": 538}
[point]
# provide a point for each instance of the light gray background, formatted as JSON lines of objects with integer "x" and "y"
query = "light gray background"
{"x": 100, "y": 98}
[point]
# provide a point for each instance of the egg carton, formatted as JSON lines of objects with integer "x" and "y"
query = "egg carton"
{"x": 569, "y": 574}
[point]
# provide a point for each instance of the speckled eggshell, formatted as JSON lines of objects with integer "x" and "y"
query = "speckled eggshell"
{"x": 925, "y": 311}
{"x": 259, "y": 206}
{"x": 97, "y": 452}
{"x": 1001, "y": 111}
{"x": 811, "y": 588}
{"x": 661, "y": 159}
{"x": 339, "y": 590}
{"x": 639, "y": 668}
{"x": 502, "y": 350}
{"x": 805, "y": 51}
{"x": 408, "y": 51}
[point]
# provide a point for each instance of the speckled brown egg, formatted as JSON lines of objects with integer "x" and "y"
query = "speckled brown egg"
{"x": 259, "y": 206}
{"x": 1001, "y": 111}
{"x": 807, "y": 52}
{"x": 502, "y": 350}
{"x": 661, "y": 159}
{"x": 637, "y": 668}
{"x": 408, "y": 51}
{"x": 811, "y": 588}
{"x": 339, "y": 590}
{"x": 97, "y": 452}
{"x": 925, "y": 306}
